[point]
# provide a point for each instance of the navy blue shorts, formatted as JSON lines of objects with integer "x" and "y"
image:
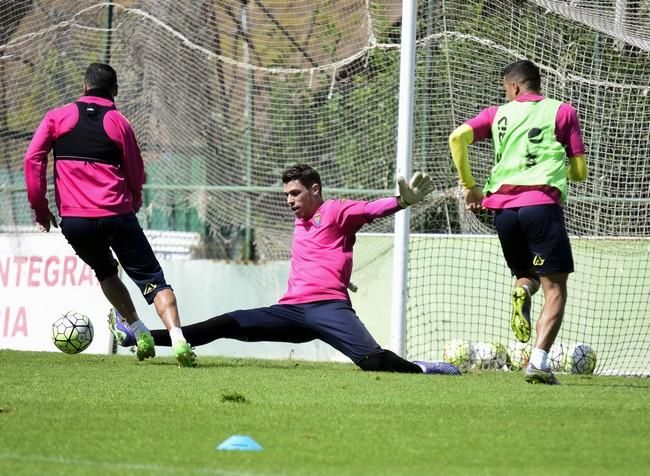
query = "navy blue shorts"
{"x": 333, "y": 322}
{"x": 93, "y": 239}
{"x": 534, "y": 238}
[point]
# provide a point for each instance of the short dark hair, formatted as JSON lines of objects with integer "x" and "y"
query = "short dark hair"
{"x": 525, "y": 73}
{"x": 100, "y": 76}
{"x": 305, "y": 174}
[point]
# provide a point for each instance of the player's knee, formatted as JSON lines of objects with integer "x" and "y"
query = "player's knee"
{"x": 162, "y": 296}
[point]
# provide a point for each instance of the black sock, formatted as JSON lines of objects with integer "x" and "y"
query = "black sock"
{"x": 202, "y": 332}
{"x": 387, "y": 361}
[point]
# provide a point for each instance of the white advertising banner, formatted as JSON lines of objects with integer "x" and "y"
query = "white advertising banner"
{"x": 41, "y": 279}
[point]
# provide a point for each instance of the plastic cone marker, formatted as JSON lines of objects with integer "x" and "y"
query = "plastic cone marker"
{"x": 241, "y": 443}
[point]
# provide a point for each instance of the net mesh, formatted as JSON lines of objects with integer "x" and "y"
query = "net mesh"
{"x": 459, "y": 286}
{"x": 223, "y": 95}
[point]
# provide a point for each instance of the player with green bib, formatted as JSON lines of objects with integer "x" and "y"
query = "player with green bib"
{"x": 537, "y": 147}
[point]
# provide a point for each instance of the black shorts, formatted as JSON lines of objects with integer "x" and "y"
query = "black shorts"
{"x": 333, "y": 322}
{"x": 93, "y": 239}
{"x": 534, "y": 237}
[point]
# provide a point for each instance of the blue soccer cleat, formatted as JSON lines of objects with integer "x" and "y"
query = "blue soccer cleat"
{"x": 121, "y": 332}
{"x": 438, "y": 367}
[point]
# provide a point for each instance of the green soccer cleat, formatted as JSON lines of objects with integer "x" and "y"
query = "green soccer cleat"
{"x": 534, "y": 375}
{"x": 145, "y": 347}
{"x": 185, "y": 356}
{"x": 521, "y": 314}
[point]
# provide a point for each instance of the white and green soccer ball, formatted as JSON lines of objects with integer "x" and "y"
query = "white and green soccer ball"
{"x": 482, "y": 355}
{"x": 519, "y": 354}
{"x": 581, "y": 359}
{"x": 501, "y": 359}
{"x": 557, "y": 357}
{"x": 72, "y": 332}
{"x": 458, "y": 352}
{"x": 488, "y": 356}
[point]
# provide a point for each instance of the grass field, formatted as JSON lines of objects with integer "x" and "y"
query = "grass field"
{"x": 90, "y": 414}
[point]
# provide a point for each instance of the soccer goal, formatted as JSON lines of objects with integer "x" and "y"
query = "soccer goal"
{"x": 596, "y": 56}
{"x": 225, "y": 94}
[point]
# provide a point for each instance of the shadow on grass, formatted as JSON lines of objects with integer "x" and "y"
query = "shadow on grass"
{"x": 261, "y": 364}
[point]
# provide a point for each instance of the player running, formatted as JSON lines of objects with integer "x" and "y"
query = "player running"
{"x": 316, "y": 304}
{"x": 98, "y": 178}
{"x": 532, "y": 137}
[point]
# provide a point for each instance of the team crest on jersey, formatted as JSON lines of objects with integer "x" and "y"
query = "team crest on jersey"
{"x": 316, "y": 220}
{"x": 538, "y": 260}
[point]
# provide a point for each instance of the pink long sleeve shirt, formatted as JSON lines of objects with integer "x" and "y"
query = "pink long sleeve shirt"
{"x": 321, "y": 251}
{"x": 567, "y": 133}
{"x": 83, "y": 188}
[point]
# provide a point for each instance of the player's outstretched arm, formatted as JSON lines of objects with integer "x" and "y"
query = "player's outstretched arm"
{"x": 415, "y": 190}
{"x": 577, "y": 168}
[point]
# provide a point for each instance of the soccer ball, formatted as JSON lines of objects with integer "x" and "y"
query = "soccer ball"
{"x": 519, "y": 354}
{"x": 501, "y": 357}
{"x": 489, "y": 356}
{"x": 582, "y": 360}
{"x": 483, "y": 355}
{"x": 457, "y": 352}
{"x": 557, "y": 358}
{"x": 72, "y": 332}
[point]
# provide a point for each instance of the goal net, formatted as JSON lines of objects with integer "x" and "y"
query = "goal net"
{"x": 224, "y": 94}
{"x": 594, "y": 55}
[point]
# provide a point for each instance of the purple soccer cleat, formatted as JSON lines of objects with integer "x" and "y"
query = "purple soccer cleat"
{"x": 438, "y": 367}
{"x": 121, "y": 332}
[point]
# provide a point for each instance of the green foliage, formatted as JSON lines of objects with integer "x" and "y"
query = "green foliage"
{"x": 91, "y": 414}
{"x": 340, "y": 128}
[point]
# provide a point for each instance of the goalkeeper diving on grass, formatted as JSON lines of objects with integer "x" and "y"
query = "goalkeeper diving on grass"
{"x": 537, "y": 147}
{"x": 316, "y": 304}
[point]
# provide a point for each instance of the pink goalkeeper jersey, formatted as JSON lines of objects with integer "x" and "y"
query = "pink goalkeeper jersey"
{"x": 85, "y": 189}
{"x": 567, "y": 132}
{"x": 321, "y": 252}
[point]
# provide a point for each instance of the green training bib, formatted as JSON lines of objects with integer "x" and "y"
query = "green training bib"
{"x": 526, "y": 150}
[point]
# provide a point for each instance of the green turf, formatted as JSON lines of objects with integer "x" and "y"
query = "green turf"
{"x": 89, "y": 414}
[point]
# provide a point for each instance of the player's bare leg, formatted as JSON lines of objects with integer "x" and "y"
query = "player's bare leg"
{"x": 167, "y": 309}
{"x": 548, "y": 326}
{"x": 550, "y": 321}
{"x": 119, "y": 297}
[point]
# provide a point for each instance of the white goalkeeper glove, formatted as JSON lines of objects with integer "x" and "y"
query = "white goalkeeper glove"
{"x": 413, "y": 192}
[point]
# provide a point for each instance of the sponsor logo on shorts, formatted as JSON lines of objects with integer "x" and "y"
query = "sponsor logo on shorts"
{"x": 538, "y": 260}
{"x": 149, "y": 287}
